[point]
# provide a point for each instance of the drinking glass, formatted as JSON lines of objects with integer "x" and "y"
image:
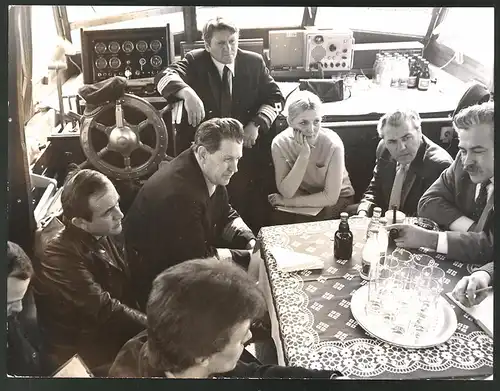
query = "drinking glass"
{"x": 378, "y": 288}
{"x": 422, "y": 260}
{"x": 426, "y": 314}
{"x": 433, "y": 273}
{"x": 404, "y": 257}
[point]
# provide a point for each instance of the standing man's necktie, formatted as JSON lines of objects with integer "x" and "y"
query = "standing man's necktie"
{"x": 225, "y": 95}
{"x": 397, "y": 186}
{"x": 481, "y": 201}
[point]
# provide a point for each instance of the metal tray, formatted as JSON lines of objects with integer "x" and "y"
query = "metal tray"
{"x": 445, "y": 325}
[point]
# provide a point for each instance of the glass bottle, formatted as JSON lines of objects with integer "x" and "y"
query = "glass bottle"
{"x": 342, "y": 247}
{"x": 424, "y": 79}
{"x": 373, "y": 224}
{"x": 412, "y": 78}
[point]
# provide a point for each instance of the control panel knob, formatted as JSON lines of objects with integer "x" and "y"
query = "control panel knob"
{"x": 128, "y": 73}
{"x": 332, "y": 47}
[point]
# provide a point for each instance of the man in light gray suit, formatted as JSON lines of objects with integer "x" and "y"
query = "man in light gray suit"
{"x": 461, "y": 199}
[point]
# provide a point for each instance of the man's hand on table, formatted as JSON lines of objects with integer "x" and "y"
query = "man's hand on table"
{"x": 465, "y": 290}
{"x": 412, "y": 236}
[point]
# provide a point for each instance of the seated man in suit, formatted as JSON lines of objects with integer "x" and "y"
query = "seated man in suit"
{"x": 84, "y": 296}
{"x": 182, "y": 211}
{"x": 461, "y": 199}
{"x": 23, "y": 358}
{"x": 466, "y": 290}
{"x": 199, "y": 316}
{"x": 407, "y": 164}
{"x": 225, "y": 81}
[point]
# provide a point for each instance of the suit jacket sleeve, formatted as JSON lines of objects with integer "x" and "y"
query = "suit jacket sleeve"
{"x": 254, "y": 370}
{"x": 182, "y": 68}
{"x": 470, "y": 247}
{"x": 438, "y": 202}
{"x": 189, "y": 239}
{"x": 241, "y": 238}
{"x": 67, "y": 272}
{"x": 270, "y": 97}
{"x": 371, "y": 197}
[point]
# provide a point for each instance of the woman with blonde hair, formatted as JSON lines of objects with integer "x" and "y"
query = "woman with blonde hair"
{"x": 309, "y": 165}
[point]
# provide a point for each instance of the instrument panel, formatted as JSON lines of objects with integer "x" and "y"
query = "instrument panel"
{"x": 132, "y": 53}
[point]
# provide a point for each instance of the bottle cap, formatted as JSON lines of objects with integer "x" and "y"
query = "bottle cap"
{"x": 344, "y": 215}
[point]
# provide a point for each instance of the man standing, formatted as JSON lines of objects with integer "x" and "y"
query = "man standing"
{"x": 407, "y": 164}
{"x": 84, "y": 298}
{"x": 461, "y": 199}
{"x": 182, "y": 212}
{"x": 225, "y": 81}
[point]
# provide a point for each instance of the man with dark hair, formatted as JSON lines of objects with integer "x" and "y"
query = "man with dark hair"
{"x": 225, "y": 81}
{"x": 199, "y": 316}
{"x": 182, "y": 211}
{"x": 85, "y": 301}
{"x": 407, "y": 164}
{"x": 461, "y": 199}
{"x": 23, "y": 357}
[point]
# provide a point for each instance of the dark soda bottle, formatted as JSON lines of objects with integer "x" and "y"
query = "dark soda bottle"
{"x": 424, "y": 79}
{"x": 342, "y": 247}
{"x": 412, "y": 79}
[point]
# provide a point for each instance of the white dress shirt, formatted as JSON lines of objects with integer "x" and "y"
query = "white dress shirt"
{"x": 463, "y": 223}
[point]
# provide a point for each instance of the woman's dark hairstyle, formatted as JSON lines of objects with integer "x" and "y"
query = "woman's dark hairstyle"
{"x": 193, "y": 308}
{"x": 18, "y": 263}
{"x": 80, "y": 185}
{"x": 211, "y": 133}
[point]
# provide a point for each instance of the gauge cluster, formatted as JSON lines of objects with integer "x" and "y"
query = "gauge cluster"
{"x": 132, "y": 53}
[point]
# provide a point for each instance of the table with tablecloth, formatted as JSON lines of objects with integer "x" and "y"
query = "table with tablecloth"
{"x": 313, "y": 327}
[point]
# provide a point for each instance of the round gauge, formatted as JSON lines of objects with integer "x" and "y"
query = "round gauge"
{"x": 141, "y": 46}
{"x": 114, "y": 62}
{"x": 128, "y": 47}
{"x": 155, "y": 45}
{"x": 101, "y": 63}
{"x": 100, "y": 47}
{"x": 318, "y": 39}
{"x": 156, "y": 61}
{"x": 142, "y": 61}
{"x": 114, "y": 47}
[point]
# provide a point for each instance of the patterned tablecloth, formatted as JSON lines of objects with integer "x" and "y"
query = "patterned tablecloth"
{"x": 316, "y": 326}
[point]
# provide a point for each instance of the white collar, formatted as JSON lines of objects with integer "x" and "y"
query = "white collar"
{"x": 220, "y": 66}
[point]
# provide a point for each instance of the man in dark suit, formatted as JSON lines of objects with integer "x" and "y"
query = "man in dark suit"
{"x": 224, "y": 81}
{"x": 461, "y": 199}
{"x": 182, "y": 212}
{"x": 407, "y": 164}
{"x": 199, "y": 318}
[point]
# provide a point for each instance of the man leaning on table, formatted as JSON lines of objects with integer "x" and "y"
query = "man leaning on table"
{"x": 461, "y": 199}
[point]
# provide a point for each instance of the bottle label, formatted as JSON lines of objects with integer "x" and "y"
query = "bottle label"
{"x": 423, "y": 84}
{"x": 412, "y": 81}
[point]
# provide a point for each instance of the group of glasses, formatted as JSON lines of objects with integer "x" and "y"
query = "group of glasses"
{"x": 403, "y": 294}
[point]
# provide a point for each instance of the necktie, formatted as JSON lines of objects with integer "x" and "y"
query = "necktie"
{"x": 225, "y": 94}
{"x": 397, "y": 186}
{"x": 481, "y": 201}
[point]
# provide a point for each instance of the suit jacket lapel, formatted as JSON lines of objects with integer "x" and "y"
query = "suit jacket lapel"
{"x": 415, "y": 167}
{"x": 238, "y": 79}
{"x": 214, "y": 79}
